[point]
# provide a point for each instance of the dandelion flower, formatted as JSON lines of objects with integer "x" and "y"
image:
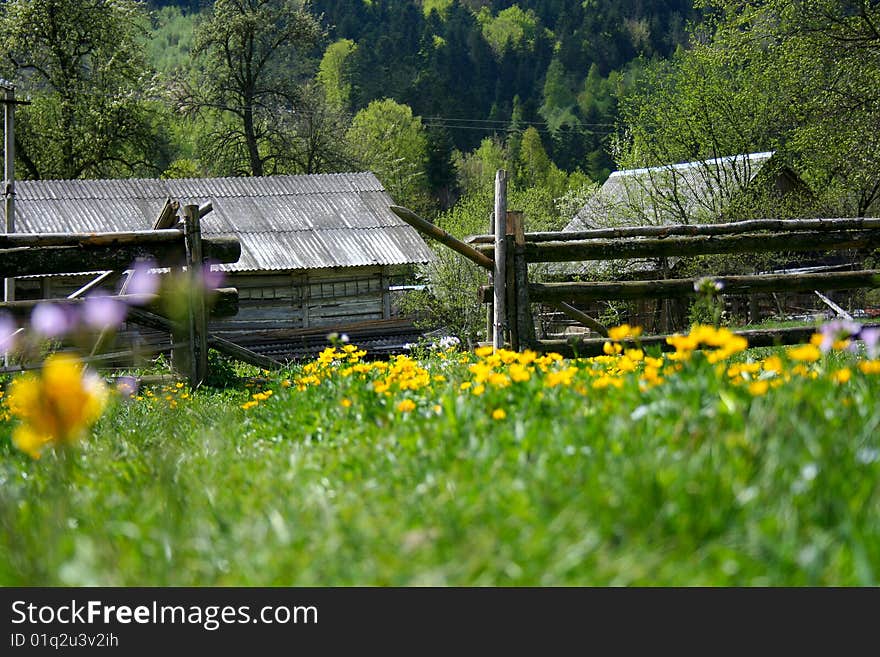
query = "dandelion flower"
{"x": 57, "y": 406}
{"x": 498, "y": 414}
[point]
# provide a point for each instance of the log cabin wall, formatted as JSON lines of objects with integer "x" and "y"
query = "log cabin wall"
{"x": 332, "y": 297}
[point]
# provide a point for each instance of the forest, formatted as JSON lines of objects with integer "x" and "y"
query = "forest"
{"x": 435, "y": 95}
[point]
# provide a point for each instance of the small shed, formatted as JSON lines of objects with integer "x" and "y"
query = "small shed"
{"x": 705, "y": 191}
{"x": 723, "y": 189}
{"x": 319, "y": 252}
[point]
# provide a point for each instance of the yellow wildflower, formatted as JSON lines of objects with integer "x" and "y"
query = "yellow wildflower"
{"x": 758, "y": 388}
{"x": 624, "y": 331}
{"x": 519, "y": 373}
{"x": 772, "y": 364}
{"x": 806, "y": 353}
{"x": 498, "y": 414}
{"x": 870, "y": 366}
{"x": 406, "y": 406}
{"x": 345, "y": 402}
{"x": 482, "y": 352}
{"x": 611, "y": 348}
{"x": 57, "y": 406}
{"x": 842, "y": 375}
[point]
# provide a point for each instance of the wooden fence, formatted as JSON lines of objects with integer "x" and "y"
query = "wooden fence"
{"x": 508, "y": 252}
{"x": 172, "y": 243}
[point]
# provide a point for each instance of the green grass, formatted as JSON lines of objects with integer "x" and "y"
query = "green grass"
{"x": 692, "y": 482}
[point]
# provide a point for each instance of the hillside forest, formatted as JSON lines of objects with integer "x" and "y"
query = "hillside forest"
{"x": 436, "y": 95}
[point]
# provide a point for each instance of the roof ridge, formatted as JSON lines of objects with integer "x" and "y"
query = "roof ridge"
{"x": 201, "y": 179}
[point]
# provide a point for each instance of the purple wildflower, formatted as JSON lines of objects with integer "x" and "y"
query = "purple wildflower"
{"x": 871, "y": 337}
{"x": 127, "y": 386}
{"x": 102, "y": 312}
{"x": 212, "y": 276}
{"x": 141, "y": 281}
{"x": 8, "y": 333}
{"x": 838, "y": 329}
{"x": 51, "y": 320}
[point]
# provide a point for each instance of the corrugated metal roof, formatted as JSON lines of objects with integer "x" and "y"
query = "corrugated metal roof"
{"x": 672, "y": 193}
{"x": 283, "y": 222}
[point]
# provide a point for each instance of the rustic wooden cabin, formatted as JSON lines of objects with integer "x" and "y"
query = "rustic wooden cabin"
{"x": 739, "y": 187}
{"x": 319, "y": 253}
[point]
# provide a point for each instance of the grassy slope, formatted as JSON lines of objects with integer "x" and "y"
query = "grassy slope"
{"x": 691, "y": 482}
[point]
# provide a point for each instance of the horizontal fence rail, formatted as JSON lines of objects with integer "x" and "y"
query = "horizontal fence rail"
{"x": 224, "y": 303}
{"x": 625, "y": 249}
{"x": 684, "y": 287}
{"x": 646, "y": 242}
{"x": 175, "y": 243}
{"x": 87, "y": 254}
{"x": 731, "y": 228}
{"x": 756, "y": 337}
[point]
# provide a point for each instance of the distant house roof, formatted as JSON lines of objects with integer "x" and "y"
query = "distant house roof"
{"x": 690, "y": 192}
{"x": 283, "y": 222}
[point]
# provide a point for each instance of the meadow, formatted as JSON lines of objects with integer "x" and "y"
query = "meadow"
{"x": 710, "y": 465}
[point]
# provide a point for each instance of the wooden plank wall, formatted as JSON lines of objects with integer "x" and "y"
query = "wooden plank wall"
{"x": 315, "y": 298}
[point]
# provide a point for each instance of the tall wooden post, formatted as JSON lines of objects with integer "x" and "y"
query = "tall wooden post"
{"x": 490, "y": 314}
{"x": 525, "y": 323}
{"x": 196, "y": 314}
{"x": 512, "y": 220}
{"x": 500, "y": 281}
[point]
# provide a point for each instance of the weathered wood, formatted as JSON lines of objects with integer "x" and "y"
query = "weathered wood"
{"x": 426, "y": 227}
{"x": 225, "y": 303}
{"x": 153, "y": 320}
{"x": 684, "y": 287}
{"x": 107, "y": 278}
{"x": 837, "y": 309}
{"x": 510, "y": 295}
{"x": 206, "y": 208}
{"x": 198, "y": 319}
{"x": 690, "y": 246}
{"x": 167, "y": 217}
{"x": 128, "y": 354}
{"x": 524, "y": 322}
{"x": 25, "y": 261}
{"x": 490, "y": 309}
{"x": 85, "y": 240}
{"x": 500, "y": 265}
{"x": 730, "y": 228}
{"x": 243, "y": 354}
{"x": 581, "y": 317}
{"x": 756, "y": 338}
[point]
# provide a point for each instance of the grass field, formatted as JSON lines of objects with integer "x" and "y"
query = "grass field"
{"x": 720, "y": 467}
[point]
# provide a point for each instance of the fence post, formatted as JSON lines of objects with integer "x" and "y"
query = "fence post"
{"x": 513, "y": 225}
{"x": 490, "y": 315}
{"x": 499, "y": 313}
{"x": 523, "y": 319}
{"x": 196, "y": 315}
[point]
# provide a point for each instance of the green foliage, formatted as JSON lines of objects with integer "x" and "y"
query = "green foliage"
{"x": 512, "y": 28}
{"x": 790, "y": 77}
{"x": 171, "y": 42}
{"x": 391, "y": 142}
{"x": 81, "y": 63}
{"x": 250, "y": 59}
{"x": 449, "y": 300}
{"x": 691, "y": 483}
{"x": 334, "y": 74}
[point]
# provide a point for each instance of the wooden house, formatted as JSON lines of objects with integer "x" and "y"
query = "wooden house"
{"x": 319, "y": 253}
{"x": 739, "y": 187}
